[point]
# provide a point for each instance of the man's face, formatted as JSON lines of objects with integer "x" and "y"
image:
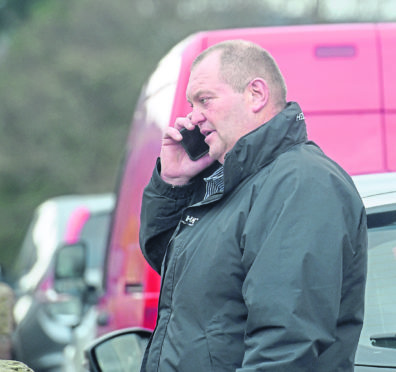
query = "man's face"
{"x": 220, "y": 112}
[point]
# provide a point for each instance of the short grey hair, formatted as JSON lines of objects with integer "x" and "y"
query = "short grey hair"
{"x": 241, "y": 61}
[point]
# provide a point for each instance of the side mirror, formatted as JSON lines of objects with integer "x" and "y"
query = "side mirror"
{"x": 65, "y": 305}
{"x": 69, "y": 271}
{"x": 118, "y": 351}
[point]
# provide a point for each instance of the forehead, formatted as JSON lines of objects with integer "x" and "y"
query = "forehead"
{"x": 205, "y": 75}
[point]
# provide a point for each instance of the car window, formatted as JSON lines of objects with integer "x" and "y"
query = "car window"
{"x": 380, "y": 303}
{"x": 94, "y": 234}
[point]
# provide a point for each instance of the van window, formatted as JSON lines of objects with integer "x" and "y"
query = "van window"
{"x": 94, "y": 234}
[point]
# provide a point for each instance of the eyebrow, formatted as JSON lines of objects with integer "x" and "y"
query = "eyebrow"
{"x": 198, "y": 94}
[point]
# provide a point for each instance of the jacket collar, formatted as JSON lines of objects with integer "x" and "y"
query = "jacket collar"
{"x": 264, "y": 144}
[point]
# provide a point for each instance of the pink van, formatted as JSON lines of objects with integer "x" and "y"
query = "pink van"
{"x": 341, "y": 75}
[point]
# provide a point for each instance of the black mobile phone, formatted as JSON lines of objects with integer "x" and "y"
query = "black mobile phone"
{"x": 194, "y": 143}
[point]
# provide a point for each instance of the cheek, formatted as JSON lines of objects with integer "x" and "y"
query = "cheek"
{"x": 226, "y": 121}
{"x": 226, "y": 139}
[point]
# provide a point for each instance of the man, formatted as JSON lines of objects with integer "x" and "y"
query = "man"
{"x": 261, "y": 244}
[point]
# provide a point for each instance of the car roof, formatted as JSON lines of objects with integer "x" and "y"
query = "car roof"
{"x": 377, "y": 189}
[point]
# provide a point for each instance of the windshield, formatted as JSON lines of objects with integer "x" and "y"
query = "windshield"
{"x": 380, "y": 302}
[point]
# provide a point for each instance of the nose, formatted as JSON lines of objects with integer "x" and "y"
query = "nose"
{"x": 196, "y": 117}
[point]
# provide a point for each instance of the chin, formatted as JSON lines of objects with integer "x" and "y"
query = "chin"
{"x": 213, "y": 155}
{"x": 216, "y": 155}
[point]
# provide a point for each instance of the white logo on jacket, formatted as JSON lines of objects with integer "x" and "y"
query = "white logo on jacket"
{"x": 190, "y": 220}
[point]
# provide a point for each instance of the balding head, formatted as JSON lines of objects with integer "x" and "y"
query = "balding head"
{"x": 242, "y": 61}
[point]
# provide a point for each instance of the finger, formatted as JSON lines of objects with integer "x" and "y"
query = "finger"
{"x": 206, "y": 161}
{"x": 184, "y": 122}
{"x": 172, "y": 134}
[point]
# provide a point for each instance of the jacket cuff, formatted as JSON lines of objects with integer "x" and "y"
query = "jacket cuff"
{"x": 168, "y": 190}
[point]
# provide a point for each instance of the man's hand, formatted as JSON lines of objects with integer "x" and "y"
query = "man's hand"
{"x": 176, "y": 167}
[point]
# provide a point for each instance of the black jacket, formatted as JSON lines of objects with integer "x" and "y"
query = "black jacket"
{"x": 269, "y": 275}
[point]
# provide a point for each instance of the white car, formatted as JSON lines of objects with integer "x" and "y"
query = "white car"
{"x": 377, "y": 346}
{"x": 42, "y": 312}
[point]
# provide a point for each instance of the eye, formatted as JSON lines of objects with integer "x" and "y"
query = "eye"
{"x": 204, "y": 100}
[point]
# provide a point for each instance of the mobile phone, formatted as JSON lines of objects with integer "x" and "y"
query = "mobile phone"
{"x": 194, "y": 143}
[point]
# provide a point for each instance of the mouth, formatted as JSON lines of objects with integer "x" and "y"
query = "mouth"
{"x": 207, "y": 133}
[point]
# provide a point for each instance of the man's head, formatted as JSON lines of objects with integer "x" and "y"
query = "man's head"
{"x": 234, "y": 87}
{"x": 241, "y": 61}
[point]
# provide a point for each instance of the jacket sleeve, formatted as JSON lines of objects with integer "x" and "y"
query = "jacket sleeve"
{"x": 303, "y": 263}
{"x": 162, "y": 206}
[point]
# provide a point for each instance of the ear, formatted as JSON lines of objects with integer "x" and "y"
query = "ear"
{"x": 258, "y": 94}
